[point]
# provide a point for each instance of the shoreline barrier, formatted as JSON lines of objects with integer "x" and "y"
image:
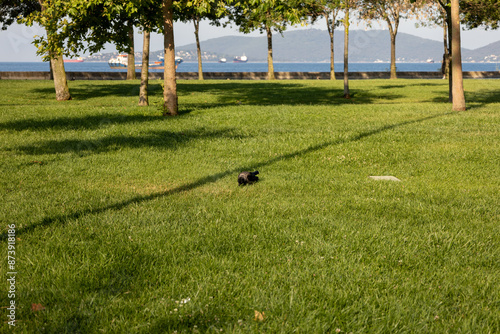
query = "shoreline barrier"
{"x": 246, "y": 75}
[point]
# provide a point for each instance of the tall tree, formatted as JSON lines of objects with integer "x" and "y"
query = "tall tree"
{"x": 268, "y": 16}
{"x": 347, "y": 93}
{"x": 149, "y": 22}
{"x": 328, "y": 9}
{"x": 391, "y": 12}
{"x": 472, "y": 13}
{"x": 333, "y": 9}
{"x": 445, "y": 10}
{"x": 436, "y": 16}
{"x": 170, "y": 105}
{"x": 143, "y": 91}
{"x": 445, "y": 66}
{"x": 196, "y": 22}
{"x": 131, "y": 52}
{"x": 212, "y": 10}
{"x": 48, "y": 16}
{"x": 95, "y": 22}
{"x": 456, "y": 61}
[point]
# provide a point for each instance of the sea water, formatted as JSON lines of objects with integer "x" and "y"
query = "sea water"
{"x": 252, "y": 67}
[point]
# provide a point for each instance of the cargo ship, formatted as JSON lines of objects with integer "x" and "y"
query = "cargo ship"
{"x": 76, "y": 60}
{"x": 242, "y": 59}
{"x": 121, "y": 62}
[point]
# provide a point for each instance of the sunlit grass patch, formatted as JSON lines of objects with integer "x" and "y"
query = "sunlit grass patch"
{"x": 127, "y": 221}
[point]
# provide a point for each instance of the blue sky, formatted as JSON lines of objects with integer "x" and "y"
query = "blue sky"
{"x": 16, "y": 42}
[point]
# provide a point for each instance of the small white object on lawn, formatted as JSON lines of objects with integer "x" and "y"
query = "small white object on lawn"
{"x": 385, "y": 178}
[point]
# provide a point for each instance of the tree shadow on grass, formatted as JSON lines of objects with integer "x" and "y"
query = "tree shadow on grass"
{"x": 74, "y": 123}
{"x": 167, "y": 140}
{"x": 231, "y": 93}
{"x": 417, "y": 84}
{"x": 62, "y": 219}
{"x": 280, "y": 93}
{"x": 90, "y": 90}
{"x": 474, "y": 99}
{"x": 482, "y": 97}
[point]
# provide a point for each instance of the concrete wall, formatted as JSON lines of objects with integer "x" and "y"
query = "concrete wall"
{"x": 243, "y": 75}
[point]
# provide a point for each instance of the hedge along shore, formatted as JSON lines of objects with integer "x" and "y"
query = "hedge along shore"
{"x": 246, "y": 75}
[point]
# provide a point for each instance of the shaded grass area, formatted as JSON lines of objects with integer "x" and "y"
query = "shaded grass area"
{"x": 131, "y": 222}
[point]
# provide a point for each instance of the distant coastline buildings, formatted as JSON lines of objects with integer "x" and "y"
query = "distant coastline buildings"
{"x": 313, "y": 46}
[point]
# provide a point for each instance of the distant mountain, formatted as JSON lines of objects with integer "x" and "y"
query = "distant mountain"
{"x": 488, "y": 53}
{"x": 313, "y": 46}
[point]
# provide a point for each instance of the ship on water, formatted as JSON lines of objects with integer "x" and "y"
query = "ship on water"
{"x": 118, "y": 62}
{"x": 242, "y": 59}
{"x": 121, "y": 62}
{"x": 74, "y": 60}
{"x": 160, "y": 63}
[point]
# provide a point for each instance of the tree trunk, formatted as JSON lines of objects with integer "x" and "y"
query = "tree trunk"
{"x": 270, "y": 65}
{"x": 143, "y": 93}
{"x": 445, "y": 66}
{"x": 131, "y": 54}
{"x": 456, "y": 54}
{"x": 450, "y": 48}
{"x": 170, "y": 83}
{"x": 51, "y": 73}
{"x": 393, "y": 55}
{"x": 393, "y": 32}
{"x": 332, "y": 54}
{"x": 196, "y": 21}
{"x": 60, "y": 82}
{"x": 57, "y": 70}
{"x": 347, "y": 94}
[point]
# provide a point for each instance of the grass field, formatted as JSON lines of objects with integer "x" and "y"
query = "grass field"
{"x": 128, "y": 222}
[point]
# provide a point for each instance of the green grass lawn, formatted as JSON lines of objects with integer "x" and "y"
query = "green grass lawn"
{"x": 129, "y": 222}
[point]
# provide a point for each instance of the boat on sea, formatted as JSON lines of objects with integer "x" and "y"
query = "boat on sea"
{"x": 121, "y": 62}
{"x": 430, "y": 61}
{"x": 222, "y": 60}
{"x": 242, "y": 59}
{"x": 160, "y": 63}
{"x": 75, "y": 60}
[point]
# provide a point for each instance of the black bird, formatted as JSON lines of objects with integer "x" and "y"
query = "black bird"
{"x": 247, "y": 178}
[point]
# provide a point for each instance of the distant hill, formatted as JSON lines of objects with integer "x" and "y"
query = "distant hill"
{"x": 488, "y": 53}
{"x": 313, "y": 46}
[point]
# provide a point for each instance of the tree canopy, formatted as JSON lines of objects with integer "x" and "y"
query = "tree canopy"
{"x": 12, "y": 10}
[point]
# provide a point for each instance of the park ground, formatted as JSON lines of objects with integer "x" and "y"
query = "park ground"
{"x": 130, "y": 222}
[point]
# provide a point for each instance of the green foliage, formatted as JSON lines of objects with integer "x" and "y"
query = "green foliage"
{"x": 130, "y": 222}
{"x": 253, "y": 15}
{"x": 12, "y": 10}
{"x": 80, "y": 25}
{"x": 387, "y": 11}
{"x": 474, "y": 13}
{"x": 325, "y": 8}
{"x": 481, "y": 13}
{"x": 213, "y": 10}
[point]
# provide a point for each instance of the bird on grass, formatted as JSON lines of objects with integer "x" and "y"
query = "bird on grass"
{"x": 247, "y": 178}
